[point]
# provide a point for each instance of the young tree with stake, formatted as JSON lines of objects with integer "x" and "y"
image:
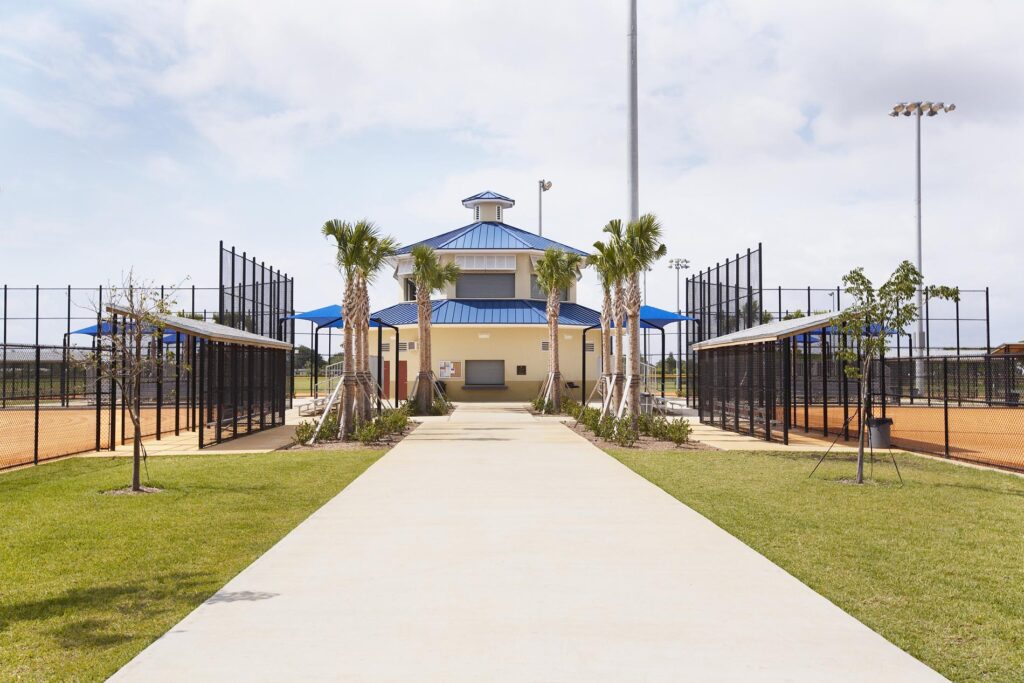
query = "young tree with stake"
{"x": 868, "y": 322}
{"x": 132, "y": 324}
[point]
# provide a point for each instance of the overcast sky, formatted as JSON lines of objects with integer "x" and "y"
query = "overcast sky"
{"x": 137, "y": 132}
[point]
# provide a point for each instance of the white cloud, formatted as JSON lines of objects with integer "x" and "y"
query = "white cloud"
{"x": 759, "y": 121}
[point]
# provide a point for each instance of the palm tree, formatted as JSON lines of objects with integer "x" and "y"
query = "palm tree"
{"x": 556, "y": 271}
{"x": 604, "y": 260}
{"x": 430, "y": 275}
{"x": 641, "y": 247}
{"x": 373, "y": 255}
{"x": 351, "y": 242}
{"x": 615, "y": 240}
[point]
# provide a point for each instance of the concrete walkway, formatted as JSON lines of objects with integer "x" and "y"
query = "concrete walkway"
{"x": 493, "y": 546}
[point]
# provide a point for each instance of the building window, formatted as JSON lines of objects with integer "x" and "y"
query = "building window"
{"x": 537, "y": 293}
{"x": 476, "y": 213}
{"x": 410, "y": 289}
{"x": 486, "y": 286}
{"x": 498, "y": 209}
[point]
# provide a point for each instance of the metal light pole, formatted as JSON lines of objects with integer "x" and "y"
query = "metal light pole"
{"x": 679, "y": 264}
{"x": 920, "y": 109}
{"x": 633, "y": 156}
{"x": 542, "y": 187}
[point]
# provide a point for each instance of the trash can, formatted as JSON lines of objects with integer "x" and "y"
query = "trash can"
{"x": 880, "y": 432}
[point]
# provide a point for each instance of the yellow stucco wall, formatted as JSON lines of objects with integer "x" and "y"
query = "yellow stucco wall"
{"x": 516, "y": 345}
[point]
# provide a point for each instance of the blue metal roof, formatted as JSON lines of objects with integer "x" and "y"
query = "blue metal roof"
{"x": 488, "y": 312}
{"x": 491, "y": 235}
{"x": 489, "y": 195}
{"x": 325, "y": 316}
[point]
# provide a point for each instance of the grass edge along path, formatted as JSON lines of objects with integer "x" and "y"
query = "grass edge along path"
{"x": 933, "y": 566}
{"x": 90, "y": 579}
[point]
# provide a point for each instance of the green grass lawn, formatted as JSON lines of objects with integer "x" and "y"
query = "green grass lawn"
{"x": 87, "y": 580}
{"x": 935, "y": 566}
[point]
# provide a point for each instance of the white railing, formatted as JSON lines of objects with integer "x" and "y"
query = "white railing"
{"x": 330, "y": 378}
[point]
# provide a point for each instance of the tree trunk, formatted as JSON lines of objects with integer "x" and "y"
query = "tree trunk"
{"x": 556, "y": 375}
{"x": 136, "y": 399}
{"x": 865, "y": 397}
{"x": 371, "y": 383}
{"x": 633, "y": 305}
{"x": 606, "y": 351}
{"x": 424, "y": 384}
{"x": 618, "y": 385}
{"x": 348, "y": 379}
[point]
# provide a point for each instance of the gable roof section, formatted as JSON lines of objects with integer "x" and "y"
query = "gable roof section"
{"x": 769, "y": 332}
{"x": 489, "y": 195}
{"x": 488, "y": 312}
{"x": 490, "y": 235}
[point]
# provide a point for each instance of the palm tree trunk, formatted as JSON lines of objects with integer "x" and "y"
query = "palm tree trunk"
{"x": 364, "y": 353}
{"x": 556, "y": 375}
{"x": 371, "y": 383}
{"x": 606, "y": 351}
{"x": 620, "y": 365}
{"x": 424, "y": 387}
{"x": 633, "y": 304}
{"x": 348, "y": 379}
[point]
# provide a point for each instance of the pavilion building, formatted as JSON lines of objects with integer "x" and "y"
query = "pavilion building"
{"x": 489, "y": 337}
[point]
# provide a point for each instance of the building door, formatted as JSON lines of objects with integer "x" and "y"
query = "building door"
{"x": 385, "y": 379}
{"x": 403, "y": 380}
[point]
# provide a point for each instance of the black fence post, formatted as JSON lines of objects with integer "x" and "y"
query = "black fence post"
{"x": 769, "y": 399}
{"x": 97, "y": 345}
{"x": 201, "y": 347}
{"x": 823, "y": 343}
{"x": 787, "y": 389}
{"x": 113, "y": 384}
{"x": 3, "y": 375}
{"x": 35, "y": 439}
{"x": 945, "y": 403}
{"x": 807, "y": 377}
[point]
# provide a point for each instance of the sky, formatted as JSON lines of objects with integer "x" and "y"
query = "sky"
{"x": 139, "y": 133}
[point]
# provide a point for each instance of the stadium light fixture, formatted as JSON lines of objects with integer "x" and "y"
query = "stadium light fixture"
{"x": 921, "y": 109}
{"x": 542, "y": 187}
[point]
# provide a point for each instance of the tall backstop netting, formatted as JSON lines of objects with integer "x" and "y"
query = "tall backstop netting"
{"x": 257, "y": 298}
{"x": 722, "y": 299}
{"x": 966, "y": 407}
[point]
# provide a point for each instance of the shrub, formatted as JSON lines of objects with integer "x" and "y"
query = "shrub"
{"x": 571, "y": 407}
{"x": 304, "y": 432}
{"x": 623, "y": 432}
{"x": 542, "y": 406}
{"x": 328, "y": 432}
{"x": 589, "y": 418}
{"x": 605, "y": 428}
{"x": 369, "y": 432}
{"x": 678, "y": 432}
{"x": 395, "y": 421}
{"x": 439, "y": 407}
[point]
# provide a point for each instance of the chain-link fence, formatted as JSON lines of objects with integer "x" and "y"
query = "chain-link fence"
{"x": 963, "y": 407}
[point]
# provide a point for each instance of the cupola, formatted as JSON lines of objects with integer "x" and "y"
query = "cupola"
{"x": 488, "y": 206}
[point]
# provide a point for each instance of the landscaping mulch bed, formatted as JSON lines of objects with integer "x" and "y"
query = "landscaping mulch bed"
{"x": 353, "y": 445}
{"x": 644, "y": 443}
